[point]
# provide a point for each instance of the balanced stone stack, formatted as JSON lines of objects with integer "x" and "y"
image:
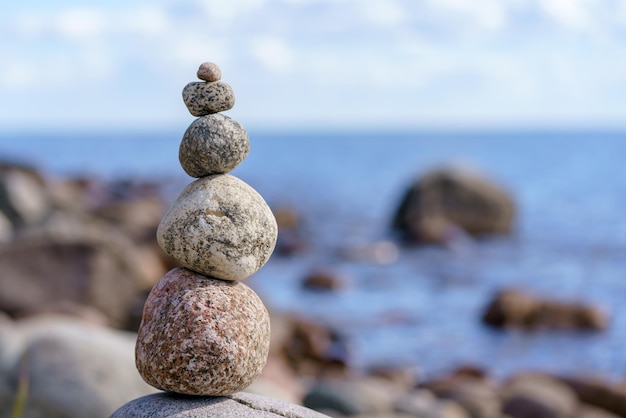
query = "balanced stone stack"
{"x": 204, "y": 332}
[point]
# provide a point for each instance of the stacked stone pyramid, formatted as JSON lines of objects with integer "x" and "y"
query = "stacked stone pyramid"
{"x": 203, "y": 331}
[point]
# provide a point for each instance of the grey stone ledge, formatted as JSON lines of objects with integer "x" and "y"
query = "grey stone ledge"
{"x": 241, "y": 404}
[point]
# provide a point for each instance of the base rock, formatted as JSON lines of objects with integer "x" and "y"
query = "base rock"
{"x": 243, "y": 405}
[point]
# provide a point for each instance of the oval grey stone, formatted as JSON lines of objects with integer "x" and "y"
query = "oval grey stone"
{"x": 219, "y": 226}
{"x": 205, "y": 98}
{"x": 209, "y": 71}
{"x": 202, "y": 336}
{"x": 243, "y": 405}
{"x": 213, "y": 144}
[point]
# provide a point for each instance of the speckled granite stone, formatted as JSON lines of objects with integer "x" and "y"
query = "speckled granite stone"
{"x": 219, "y": 226}
{"x": 202, "y": 336}
{"x": 204, "y": 98}
{"x": 242, "y": 405}
{"x": 209, "y": 71}
{"x": 213, "y": 144}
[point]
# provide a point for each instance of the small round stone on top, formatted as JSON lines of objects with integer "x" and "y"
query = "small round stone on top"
{"x": 209, "y": 71}
{"x": 204, "y": 97}
{"x": 213, "y": 144}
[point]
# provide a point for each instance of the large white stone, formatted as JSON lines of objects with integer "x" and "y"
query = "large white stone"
{"x": 219, "y": 226}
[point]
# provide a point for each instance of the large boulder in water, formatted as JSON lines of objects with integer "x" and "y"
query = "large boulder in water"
{"x": 446, "y": 199}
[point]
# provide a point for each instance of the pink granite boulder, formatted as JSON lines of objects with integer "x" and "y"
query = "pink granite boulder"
{"x": 202, "y": 336}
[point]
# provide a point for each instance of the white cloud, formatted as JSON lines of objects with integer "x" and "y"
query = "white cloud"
{"x": 145, "y": 20}
{"x": 383, "y": 13}
{"x": 484, "y": 14}
{"x": 16, "y": 75}
{"x": 516, "y": 52}
{"x": 97, "y": 63}
{"x": 273, "y": 54}
{"x": 78, "y": 23}
{"x": 620, "y": 14}
{"x": 571, "y": 13}
{"x": 28, "y": 25}
{"x": 190, "y": 52}
{"x": 226, "y": 12}
{"x": 317, "y": 2}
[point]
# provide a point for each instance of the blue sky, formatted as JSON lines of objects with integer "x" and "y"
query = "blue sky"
{"x": 330, "y": 64}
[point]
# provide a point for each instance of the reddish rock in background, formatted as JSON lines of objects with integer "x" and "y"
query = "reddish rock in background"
{"x": 291, "y": 233}
{"x": 310, "y": 348}
{"x": 538, "y": 396}
{"x": 514, "y": 308}
{"x": 600, "y": 393}
{"x": 323, "y": 280}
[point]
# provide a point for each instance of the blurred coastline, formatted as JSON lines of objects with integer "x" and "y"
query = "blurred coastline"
{"x": 568, "y": 241}
{"x": 362, "y": 321}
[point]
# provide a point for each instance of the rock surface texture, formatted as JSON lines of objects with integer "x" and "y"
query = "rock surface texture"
{"x": 219, "y": 226}
{"x": 205, "y": 98}
{"x": 202, "y": 336}
{"x": 209, "y": 71}
{"x": 213, "y": 144}
{"x": 202, "y": 331}
{"x": 243, "y": 405}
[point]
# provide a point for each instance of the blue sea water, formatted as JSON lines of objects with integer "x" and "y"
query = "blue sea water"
{"x": 424, "y": 309}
